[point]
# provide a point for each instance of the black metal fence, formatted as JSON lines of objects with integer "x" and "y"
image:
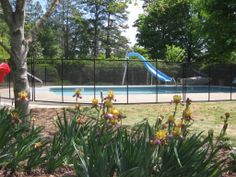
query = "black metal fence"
{"x": 209, "y": 82}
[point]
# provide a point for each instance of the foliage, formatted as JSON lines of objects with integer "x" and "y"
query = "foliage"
{"x": 169, "y": 22}
{"x": 233, "y": 157}
{"x": 48, "y": 72}
{"x": 17, "y": 143}
{"x": 3, "y": 53}
{"x": 141, "y": 50}
{"x": 218, "y": 27}
{"x": 175, "y": 54}
{"x": 56, "y": 154}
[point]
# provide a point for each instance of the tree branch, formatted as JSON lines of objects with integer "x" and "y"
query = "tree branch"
{"x": 33, "y": 32}
{"x": 7, "y": 12}
{"x": 20, "y": 4}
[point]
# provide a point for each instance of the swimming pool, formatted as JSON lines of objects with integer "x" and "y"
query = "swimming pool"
{"x": 160, "y": 89}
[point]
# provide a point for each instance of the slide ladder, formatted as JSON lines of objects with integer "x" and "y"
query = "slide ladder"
{"x": 35, "y": 78}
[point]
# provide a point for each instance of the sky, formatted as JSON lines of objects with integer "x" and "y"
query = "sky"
{"x": 134, "y": 10}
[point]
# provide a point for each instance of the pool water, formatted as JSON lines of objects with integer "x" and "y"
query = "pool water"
{"x": 119, "y": 90}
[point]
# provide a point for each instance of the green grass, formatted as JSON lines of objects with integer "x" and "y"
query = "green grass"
{"x": 206, "y": 115}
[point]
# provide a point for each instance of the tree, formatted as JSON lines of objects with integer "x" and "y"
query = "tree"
{"x": 219, "y": 29}
{"x": 33, "y": 12}
{"x": 14, "y": 16}
{"x": 95, "y": 14}
{"x": 50, "y": 42}
{"x": 169, "y": 22}
{"x": 116, "y": 15}
{"x": 66, "y": 24}
{"x": 4, "y": 37}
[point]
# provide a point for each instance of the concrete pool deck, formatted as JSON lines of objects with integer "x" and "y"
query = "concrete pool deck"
{"x": 131, "y": 98}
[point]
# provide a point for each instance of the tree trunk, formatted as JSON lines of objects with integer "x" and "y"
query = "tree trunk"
{"x": 21, "y": 83}
{"x": 19, "y": 48}
{"x": 95, "y": 47}
{"x": 108, "y": 45}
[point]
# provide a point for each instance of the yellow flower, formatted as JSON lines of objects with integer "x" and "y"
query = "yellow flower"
{"x": 95, "y": 102}
{"x": 108, "y": 103}
{"x": 15, "y": 116}
{"x": 161, "y": 135}
{"x": 160, "y": 118}
{"x": 113, "y": 121}
{"x": 171, "y": 119}
{"x": 188, "y": 101}
{"x": 38, "y": 145}
{"x": 115, "y": 112}
{"x": 180, "y": 124}
{"x": 111, "y": 95}
{"x": 77, "y": 94}
{"x": 177, "y": 99}
{"x": 176, "y": 131}
{"x": 187, "y": 114}
{"x": 23, "y": 96}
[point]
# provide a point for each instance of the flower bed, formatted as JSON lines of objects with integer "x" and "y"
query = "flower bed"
{"x": 92, "y": 141}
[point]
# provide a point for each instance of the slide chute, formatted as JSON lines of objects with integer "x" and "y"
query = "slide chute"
{"x": 150, "y": 68}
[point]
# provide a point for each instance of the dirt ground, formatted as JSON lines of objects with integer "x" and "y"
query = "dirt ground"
{"x": 45, "y": 117}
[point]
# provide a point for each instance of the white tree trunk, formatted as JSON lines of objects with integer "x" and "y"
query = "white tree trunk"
{"x": 19, "y": 48}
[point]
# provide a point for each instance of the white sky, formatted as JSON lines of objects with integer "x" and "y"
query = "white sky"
{"x": 134, "y": 10}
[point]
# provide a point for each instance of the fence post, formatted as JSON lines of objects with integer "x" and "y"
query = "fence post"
{"x": 209, "y": 83}
{"x": 62, "y": 83}
{"x": 9, "y": 85}
{"x": 184, "y": 82}
{"x": 231, "y": 81}
{"x": 94, "y": 77}
{"x": 127, "y": 81}
{"x": 156, "y": 85}
{"x": 33, "y": 72}
{"x": 45, "y": 74}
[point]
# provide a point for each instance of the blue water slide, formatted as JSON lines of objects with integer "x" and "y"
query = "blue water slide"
{"x": 150, "y": 68}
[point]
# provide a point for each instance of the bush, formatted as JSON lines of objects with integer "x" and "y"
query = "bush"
{"x": 47, "y": 73}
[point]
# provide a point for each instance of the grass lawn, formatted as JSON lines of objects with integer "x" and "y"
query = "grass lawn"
{"x": 206, "y": 115}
